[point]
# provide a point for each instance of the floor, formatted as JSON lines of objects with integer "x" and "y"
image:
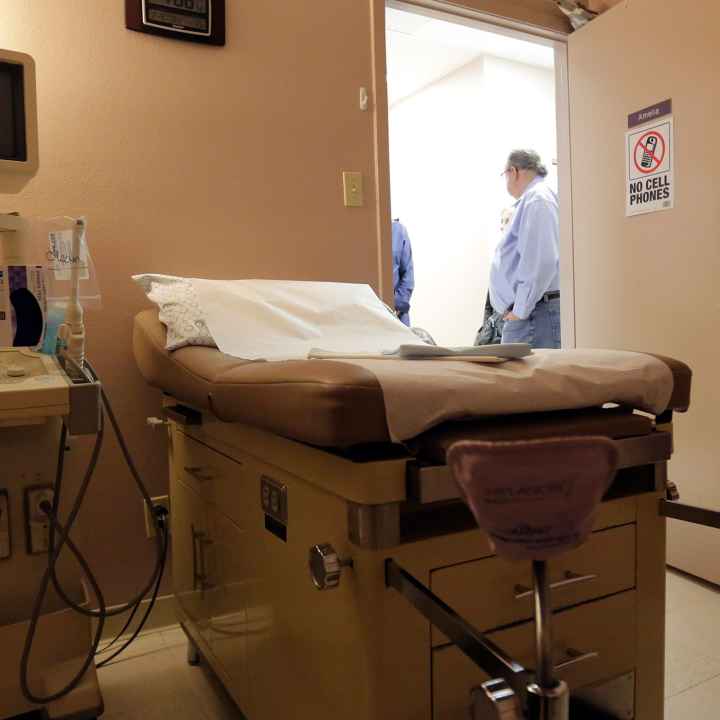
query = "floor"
{"x": 154, "y": 681}
{"x": 692, "y": 661}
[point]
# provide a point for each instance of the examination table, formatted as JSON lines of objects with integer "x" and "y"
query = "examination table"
{"x": 273, "y": 463}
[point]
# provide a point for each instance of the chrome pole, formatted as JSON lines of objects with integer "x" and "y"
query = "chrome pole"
{"x": 543, "y": 627}
{"x": 548, "y": 698}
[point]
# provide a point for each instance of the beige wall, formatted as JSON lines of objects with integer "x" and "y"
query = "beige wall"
{"x": 650, "y": 282}
{"x": 188, "y": 159}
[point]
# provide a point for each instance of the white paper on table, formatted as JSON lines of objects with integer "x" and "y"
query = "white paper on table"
{"x": 284, "y": 319}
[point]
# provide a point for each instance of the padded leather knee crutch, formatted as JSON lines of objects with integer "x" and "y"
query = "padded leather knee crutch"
{"x": 536, "y": 500}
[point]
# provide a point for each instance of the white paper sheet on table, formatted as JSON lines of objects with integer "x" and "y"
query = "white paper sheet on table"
{"x": 284, "y": 320}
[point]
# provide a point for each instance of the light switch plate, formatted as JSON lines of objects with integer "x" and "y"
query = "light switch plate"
{"x": 353, "y": 189}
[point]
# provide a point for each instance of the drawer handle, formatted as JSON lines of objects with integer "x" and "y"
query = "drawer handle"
{"x": 200, "y": 541}
{"x": 571, "y": 578}
{"x": 574, "y": 657}
{"x": 200, "y": 474}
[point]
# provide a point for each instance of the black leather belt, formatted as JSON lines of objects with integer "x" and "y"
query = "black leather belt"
{"x": 547, "y": 297}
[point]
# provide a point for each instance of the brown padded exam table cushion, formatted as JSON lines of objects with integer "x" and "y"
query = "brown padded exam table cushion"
{"x": 321, "y": 402}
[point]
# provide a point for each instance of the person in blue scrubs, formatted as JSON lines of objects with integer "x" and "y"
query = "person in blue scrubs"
{"x": 525, "y": 272}
{"x": 403, "y": 275}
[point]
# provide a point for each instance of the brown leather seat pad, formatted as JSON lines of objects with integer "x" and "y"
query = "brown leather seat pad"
{"x": 321, "y": 402}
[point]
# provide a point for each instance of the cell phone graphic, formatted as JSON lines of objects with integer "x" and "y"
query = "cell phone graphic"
{"x": 650, "y": 146}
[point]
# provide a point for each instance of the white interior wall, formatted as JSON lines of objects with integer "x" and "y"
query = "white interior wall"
{"x": 448, "y": 146}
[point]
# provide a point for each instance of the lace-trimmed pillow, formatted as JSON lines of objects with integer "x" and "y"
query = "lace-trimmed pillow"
{"x": 180, "y": 310}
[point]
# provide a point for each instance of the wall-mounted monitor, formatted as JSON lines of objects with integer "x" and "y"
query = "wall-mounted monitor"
{"x": 18, "y": 120}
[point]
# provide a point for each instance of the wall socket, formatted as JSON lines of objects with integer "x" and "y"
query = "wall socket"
{"x": 163, "y": 501}
{"x": 37, "y": 525}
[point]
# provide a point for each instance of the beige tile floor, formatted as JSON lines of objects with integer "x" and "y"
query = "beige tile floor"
{"x": 692, "y": 661}
{"x": 154, "y": 682}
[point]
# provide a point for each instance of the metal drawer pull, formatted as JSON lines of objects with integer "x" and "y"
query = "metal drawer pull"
{"x": 200, "y": 474}
{"x": 200, "y": 541}
{"x": 571, "y": 578}
{"x": 575, "y": 657}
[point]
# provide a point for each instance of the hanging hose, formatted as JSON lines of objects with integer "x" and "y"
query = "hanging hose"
{"x": 146, "y": 497}
{"x": 149, "y": 609}
{"x": 60, "y": 532}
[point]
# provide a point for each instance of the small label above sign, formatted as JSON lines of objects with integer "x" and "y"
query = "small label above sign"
{"x": 649, "y": 114}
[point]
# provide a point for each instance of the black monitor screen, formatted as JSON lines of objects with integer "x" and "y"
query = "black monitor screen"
{"x": 12, "y": 113}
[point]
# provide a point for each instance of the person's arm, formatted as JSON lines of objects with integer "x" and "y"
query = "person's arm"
{"x": 406, "y": 281}
{"x": 538, "y": 240}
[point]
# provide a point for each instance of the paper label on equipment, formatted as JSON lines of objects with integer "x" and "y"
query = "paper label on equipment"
{"x": 14, "y": 279}
{"x": 61, "y": 259}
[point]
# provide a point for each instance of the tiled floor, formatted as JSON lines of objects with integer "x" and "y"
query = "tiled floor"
{"x": 154, "y": 682}
{"x": 692, "y": 667}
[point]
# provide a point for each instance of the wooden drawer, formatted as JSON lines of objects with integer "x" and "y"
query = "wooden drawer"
{"x": 218, "y": 479}
{"x": 607, "y": 627}
{"x": 492, "y": 592}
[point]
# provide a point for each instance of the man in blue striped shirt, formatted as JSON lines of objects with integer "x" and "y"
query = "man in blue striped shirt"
{"x": 525, "y": 272}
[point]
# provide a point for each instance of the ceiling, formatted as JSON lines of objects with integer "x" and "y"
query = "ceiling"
{"x": 421, "y": 50}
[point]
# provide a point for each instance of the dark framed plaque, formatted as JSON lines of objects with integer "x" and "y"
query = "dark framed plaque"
{"x": 200, "y": 21}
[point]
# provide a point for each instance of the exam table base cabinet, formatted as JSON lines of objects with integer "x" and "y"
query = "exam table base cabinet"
{"x": 360, "y": 652}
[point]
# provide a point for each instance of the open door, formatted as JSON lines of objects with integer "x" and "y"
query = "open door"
{"x": 650, "y": 282}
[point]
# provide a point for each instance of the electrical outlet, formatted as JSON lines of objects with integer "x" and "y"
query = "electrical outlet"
{"x": 37, "y": 525}
{"x": 163, "y": 501}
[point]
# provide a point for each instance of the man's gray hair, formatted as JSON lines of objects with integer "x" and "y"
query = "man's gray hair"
{"x": 527, "y": 160}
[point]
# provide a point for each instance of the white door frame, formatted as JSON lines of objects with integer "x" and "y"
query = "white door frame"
{"x": 444, "y": 10}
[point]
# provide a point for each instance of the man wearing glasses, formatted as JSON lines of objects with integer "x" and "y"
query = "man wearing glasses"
{"x": 525, "y": 272}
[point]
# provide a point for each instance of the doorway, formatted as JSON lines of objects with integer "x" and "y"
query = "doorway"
{"x": 462, "y": 94}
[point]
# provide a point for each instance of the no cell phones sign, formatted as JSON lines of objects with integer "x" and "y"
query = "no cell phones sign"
{"x": 649, "y": 179}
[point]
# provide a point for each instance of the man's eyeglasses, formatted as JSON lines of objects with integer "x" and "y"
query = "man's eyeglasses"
{"x": 506, "y": 171}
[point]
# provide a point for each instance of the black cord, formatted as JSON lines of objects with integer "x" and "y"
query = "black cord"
{"x": 146, "y": 496}
{"x": 127, "y": 624}
{"x": 150, "y": 606}
{"x": 37, "y": 608}
{"x": 61, "y": 533}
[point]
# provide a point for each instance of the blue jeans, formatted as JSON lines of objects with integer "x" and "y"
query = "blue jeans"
{"x": 540, "y": 330}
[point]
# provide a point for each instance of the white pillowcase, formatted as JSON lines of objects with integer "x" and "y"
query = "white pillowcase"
{"x": 180, "y": 310}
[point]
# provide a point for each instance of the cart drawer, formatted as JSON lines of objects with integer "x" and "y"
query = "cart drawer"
{"x": 219, "y": 480}
{"x": 493, "y": 592}
{"x": 606, "y": 627}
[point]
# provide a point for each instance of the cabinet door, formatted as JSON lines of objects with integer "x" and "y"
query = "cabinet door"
{"x": 228, "y": 589}
{"x": 191, "y": 555}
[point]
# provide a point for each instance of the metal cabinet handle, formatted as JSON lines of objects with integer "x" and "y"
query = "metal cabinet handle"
{"x": 571, "y": 578}
{"x": 200, "y": 541}
{"x": 200, "y": 474}
{"x": 575, "y": 657}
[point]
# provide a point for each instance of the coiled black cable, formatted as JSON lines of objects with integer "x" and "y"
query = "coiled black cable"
{"x": 61, "y": 533}
{"x": 119, "y": 610}
{"x": 151, "y": 604}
